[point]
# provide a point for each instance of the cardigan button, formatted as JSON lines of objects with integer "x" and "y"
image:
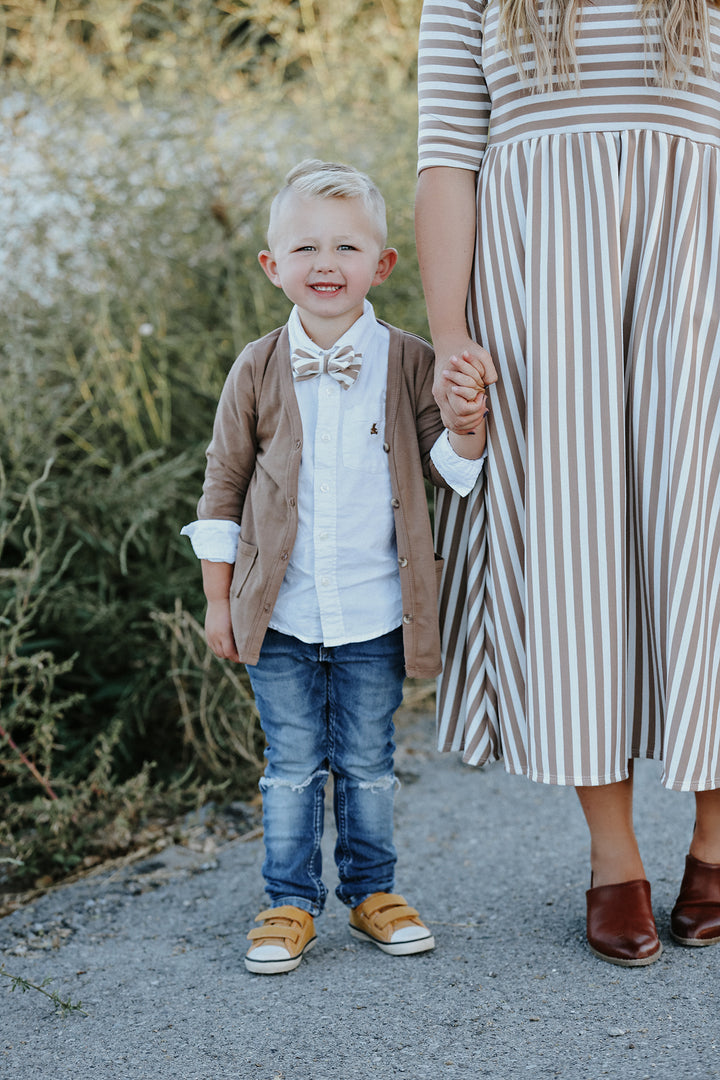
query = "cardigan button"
{"x": 402, "y": 561}
{"x": 395, "y": 503}
{"x": 298, "y": 444}
{"x": 386, "y": 447}
{"x": 284, "y": 556}
{"x": 291, "y": 500}
{"x": 407, "y": 619}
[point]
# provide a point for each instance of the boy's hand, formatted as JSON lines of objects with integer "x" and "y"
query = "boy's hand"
{"x": 461, "y": 376}
{"x": 465, "y": 387}
{"x": 219, "y": 631}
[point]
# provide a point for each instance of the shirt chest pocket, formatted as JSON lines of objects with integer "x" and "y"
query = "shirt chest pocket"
{"x": 362, "y": 443}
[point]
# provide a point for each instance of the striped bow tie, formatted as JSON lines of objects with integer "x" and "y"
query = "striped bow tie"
{"x": 342, "y": 362}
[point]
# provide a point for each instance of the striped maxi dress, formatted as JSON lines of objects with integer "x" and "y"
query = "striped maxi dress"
{"x": 580, "y": 601}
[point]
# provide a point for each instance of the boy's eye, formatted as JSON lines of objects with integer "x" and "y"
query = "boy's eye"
{"x": 346, "y": 247}
{"x": 306, "y": 247}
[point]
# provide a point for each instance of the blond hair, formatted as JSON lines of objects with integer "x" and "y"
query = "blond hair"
{"x": 684, "y": 31}
{"x": 315, "y": 179}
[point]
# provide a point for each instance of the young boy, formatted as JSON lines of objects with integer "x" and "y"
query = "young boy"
{"x": 317, "y": 554}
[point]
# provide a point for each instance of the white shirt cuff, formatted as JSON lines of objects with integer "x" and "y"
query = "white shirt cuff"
{"x": 459, "y": 472}
{"x": 213, "y": 539}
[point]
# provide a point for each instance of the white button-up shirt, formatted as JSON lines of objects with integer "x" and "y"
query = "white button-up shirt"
{"x": 342, "y": 582}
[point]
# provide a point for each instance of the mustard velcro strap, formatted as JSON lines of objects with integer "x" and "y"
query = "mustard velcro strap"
{"x": 394, "y": 914}
{"x": 381, "y": 900}
{"x": 287, "y": 933}
{"x": 286, "y": 911}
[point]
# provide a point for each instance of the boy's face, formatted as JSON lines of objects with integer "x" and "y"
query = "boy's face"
{"x": 326, "y": 255}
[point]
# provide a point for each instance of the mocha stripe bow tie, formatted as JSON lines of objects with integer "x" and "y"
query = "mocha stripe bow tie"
{"x": 342, "y": 362}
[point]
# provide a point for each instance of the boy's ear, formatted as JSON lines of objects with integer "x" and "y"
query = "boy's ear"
{"x": 269, "y": 265}
{"x": 385, "y": 266}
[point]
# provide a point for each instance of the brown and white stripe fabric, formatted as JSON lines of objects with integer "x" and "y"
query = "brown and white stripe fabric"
{"x": 581, "y": 597}
{"x": 341, "y": 362}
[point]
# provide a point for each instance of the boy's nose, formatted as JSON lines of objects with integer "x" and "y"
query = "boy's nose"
{"x": 324, "y": 262}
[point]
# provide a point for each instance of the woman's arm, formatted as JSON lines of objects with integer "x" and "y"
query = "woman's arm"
{"x": 445, "y": 228}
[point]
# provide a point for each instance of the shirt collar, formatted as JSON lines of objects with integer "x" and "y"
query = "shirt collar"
{"x": 359, "y": 335}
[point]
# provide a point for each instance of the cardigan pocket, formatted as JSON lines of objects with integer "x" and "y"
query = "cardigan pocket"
{"x": 439, "y": 567}
{"x": 244, "y": 562}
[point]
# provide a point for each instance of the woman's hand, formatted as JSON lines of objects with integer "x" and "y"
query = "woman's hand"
{"x": 462, "y": 371}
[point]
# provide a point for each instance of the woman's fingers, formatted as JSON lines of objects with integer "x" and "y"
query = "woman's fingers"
{"x": 468, "y": 413}
{"x": 474, "y": 359}
{"x": 463, "y": 370}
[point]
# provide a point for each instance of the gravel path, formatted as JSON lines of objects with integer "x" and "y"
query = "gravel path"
{"x": 498, "y": 867}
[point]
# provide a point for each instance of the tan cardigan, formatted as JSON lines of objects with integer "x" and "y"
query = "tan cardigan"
{"x": 251, "y": 478}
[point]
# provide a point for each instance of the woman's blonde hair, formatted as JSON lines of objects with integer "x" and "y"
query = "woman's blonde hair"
{"x": 685, "y": 38}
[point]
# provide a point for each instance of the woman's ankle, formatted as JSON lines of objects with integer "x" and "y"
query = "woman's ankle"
{"x": 616, "y": 868}
{"x": 705, "y": 842}
{"x": 614, "y": 854}
{"x": 705, "y": 848}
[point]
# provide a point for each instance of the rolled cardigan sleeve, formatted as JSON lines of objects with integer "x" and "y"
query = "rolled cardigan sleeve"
{"x": 214, "y": 541}
{"x": 459, "y": 472}
{"x": 454, "y": 104}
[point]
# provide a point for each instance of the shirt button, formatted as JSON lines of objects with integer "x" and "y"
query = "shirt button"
{"x": 324, "y": 581}
{"x": 325, "y": 488}
{"x": 324, "y": 534}
{"x": 325, "y": 437}
{"x": 407, "y": 619}
{"x": 395, "y": 503}
{"x": 386, "y": 447}
{"x": 402, "y": 561}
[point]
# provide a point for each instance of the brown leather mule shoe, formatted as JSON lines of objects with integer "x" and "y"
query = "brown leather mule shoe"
{"x": 695, "y": 919}
{"x": 620, "y": 924}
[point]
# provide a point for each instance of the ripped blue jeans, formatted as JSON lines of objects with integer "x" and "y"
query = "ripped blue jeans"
{"x": 328, "y": 709}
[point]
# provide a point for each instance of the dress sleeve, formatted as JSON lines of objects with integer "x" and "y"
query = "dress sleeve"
{"x": 453, "y": 98}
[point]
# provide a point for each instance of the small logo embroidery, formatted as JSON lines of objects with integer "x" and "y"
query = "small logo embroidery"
{"x": 374, "y": 429}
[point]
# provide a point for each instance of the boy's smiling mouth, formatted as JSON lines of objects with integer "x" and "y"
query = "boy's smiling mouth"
{"x": 325, "y": 287}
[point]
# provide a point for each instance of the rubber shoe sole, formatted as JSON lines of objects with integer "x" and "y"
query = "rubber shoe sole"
{"x": 694, "y": 941}
{"x": 644, "y": 961}
{"x": 277, "y": 967}
{"x": 399, "y": 948}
